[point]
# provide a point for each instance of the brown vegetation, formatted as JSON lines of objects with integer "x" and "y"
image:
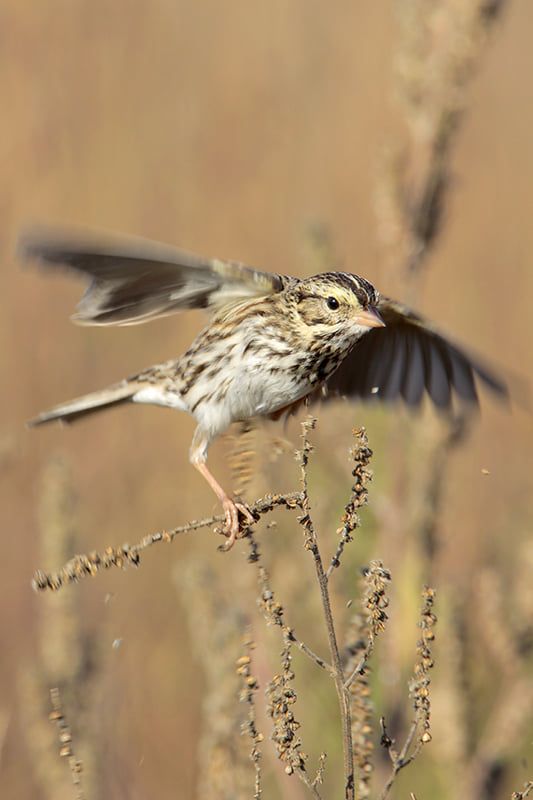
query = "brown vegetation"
{"x": 267, "y": 133}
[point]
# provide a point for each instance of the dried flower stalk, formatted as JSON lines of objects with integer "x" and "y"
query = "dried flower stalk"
{"x": 419, "y": 693}
{"x": 361, "y": 455}
{"x": 66, "y": 749}
{"x": 250, "y": 686}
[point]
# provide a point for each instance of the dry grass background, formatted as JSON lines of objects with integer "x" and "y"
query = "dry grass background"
{"x": 231, "y": 129}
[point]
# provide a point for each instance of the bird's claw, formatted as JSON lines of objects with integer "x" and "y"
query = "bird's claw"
{"x": 233, "y": 524}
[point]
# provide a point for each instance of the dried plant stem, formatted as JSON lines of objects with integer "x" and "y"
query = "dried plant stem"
{"x": 311, "y": 785}
{"x": 309, "y": 653}
{"x": 280, "y": 692}
{"x": 360, "y": 666}
{"x": 399, "y": 760}
{"x": 126, "y": 555}
{"x": 364, "y": 627}
{"x": 281, "y": 697}
{"x": 65, "y": 741}
{"x": 311, "y": 543}
{"x": 528, "y": 788}
{"x": 250, "y": 686}
{"x": 440, "y": 47}
{"x": 419, "y": 692}
{"x": 361, "y": 455}
{"x": 67, "y": 657}
{"x": 274, "y": 611}
{"x": 375, "y": 601}
{"x": 338, "y": 677}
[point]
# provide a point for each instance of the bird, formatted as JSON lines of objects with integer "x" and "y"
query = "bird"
{"x": 272, "y": 342}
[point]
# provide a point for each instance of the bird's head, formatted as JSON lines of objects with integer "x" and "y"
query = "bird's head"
{"x": 335, "y": 303}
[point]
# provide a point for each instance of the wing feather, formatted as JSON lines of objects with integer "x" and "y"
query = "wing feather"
{"x": 134, "y": 280}
{"x": 391, "y": 381}
{"x": 439, "y": 375}
{"x": 414, "y": 376}
{"x": 407, "y": 359}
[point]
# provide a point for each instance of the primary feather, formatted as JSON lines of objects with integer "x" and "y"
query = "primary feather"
{"x": 136, "y": 280}
{"x": 406, "y": 359}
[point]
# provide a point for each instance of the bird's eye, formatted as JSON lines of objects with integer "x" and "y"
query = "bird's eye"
{"x": 333, "y": 303}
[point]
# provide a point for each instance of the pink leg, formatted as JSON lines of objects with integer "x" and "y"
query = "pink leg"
{"x": 231, "y": 508}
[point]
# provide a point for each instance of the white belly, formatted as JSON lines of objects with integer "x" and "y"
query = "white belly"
{"x": 249, "y": 389}
{"x": 249, "y": 375}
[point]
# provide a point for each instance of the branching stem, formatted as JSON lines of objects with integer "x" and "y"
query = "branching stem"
{"x": 311, "y": 543}
{"x": 90, "y": 564}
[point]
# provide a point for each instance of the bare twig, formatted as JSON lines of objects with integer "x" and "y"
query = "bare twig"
{"x": 311, "y": 544}
{"x": 274, "y": 611}
{"x": 127, "y": 555}
{"x": 319, "y": 777}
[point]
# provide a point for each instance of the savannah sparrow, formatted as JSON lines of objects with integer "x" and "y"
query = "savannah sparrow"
{"x": 272, "y": 341}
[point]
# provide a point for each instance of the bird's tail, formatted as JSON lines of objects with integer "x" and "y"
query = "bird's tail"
{"x": 81, "y": 406}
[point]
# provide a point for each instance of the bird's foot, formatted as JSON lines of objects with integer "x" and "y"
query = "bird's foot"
{"x": 234, "y": 525}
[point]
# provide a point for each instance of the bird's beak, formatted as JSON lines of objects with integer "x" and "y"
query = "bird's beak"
{"x": 370, "y": 318}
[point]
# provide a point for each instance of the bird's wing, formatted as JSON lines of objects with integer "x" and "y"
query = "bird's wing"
{"x": 135, "y": 280}
{"x": 406, "y": 359}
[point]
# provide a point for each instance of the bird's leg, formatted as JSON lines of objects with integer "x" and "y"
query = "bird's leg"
{"x": 231, "y": 508}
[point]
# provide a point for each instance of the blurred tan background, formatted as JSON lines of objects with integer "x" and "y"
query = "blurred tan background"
{"x": 230, "y": 129}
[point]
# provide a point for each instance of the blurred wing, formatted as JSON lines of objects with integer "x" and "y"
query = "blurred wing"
{"x": 135, "y": 280}
{"x": 407, "y": 358}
